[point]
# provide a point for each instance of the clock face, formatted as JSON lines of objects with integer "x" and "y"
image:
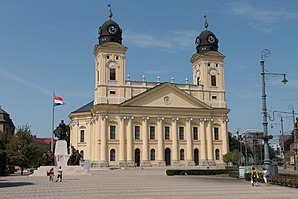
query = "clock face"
{"x": 211, "y": 39}
{"x": 212, "y": 72}
{"x": 112, "y": 30}
{"x": 167, "y": 100}
{"x": 198, "y": 41}
{"x": 112, "y": 64}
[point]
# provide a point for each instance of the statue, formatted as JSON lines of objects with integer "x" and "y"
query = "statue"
{"x": 74, "y": 158}
{"x": 62, "y": 131}
{"x": 296, "y": 123}
{"x": 48, "y": 159}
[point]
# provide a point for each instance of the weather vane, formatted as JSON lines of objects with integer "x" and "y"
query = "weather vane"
{"x": 110, "y": 13}
{"x": 206, "y": 23}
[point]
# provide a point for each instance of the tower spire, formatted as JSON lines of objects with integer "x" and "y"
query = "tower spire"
{"x": 206, "y": 22}
{"x": 110, "y": 13}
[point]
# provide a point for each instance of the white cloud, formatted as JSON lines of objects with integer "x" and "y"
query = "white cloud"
{"x": 168, "y": 42}
{"x": 260, "y": 17}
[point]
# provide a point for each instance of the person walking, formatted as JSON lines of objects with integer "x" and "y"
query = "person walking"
{"x": 51, "y": 174}
{"x": 59, "y": 174}
{"x": 265, "y": 176}
{"x": 254, "y": 177}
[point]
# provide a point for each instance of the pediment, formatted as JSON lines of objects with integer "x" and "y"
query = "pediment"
{"x": 165, "y": 95}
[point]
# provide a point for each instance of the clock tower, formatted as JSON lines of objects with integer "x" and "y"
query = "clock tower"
{"x": 208, "y": 68}
{"x": 110, "y": 58}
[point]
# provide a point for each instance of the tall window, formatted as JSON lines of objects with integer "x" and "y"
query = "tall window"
{"x": 195, "y": 133}
{"x": 112, "y": 132}
{"x": 217, "y": 157}
{"x": 167, "y": 132}
{"x": 112, "y": 74}
{"x": 152, "y": 132}
{"x": 181, "y": 133}
{"x": 181, "y": 154}
{"x": 152, "y": 154}
{"x": 112, "y": 155}
{"x": 137, "y": 132}
{"x": 213, "y": 80}
{"x": 82, "y": 136}
{"x": 216, "y": 136}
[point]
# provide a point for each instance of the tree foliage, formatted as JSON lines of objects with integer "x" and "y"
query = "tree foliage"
{"x": 231, "y": 156}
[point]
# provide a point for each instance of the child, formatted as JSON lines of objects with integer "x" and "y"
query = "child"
{"x": 265, "y": 176}
{"x": 52, "y": 174}
{"x": 254, "y": 176}
{"x": 59, "y": 174}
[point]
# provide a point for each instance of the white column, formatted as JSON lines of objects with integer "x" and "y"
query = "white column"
{"x": 103, "y": 152}
{"x": 203, "y": 141}
{"x": 209, "y": 142}
{"x": 145, "y": 152}
{"x": 96, "y": 139}
{"x": 122, "y": 162}
{"x": 224, "y": 134}
{"x": 189, "y": 146}
{"x": 88, "y": 134}
{"x": 175, "y": 160}
{"x": 160, "y": 148}
{"x": 129, "y": 142}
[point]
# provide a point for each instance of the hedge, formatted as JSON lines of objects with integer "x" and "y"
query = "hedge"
{"x": 170, "y": 172}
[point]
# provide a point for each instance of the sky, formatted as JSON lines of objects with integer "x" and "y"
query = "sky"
{"x": 47, "y": 46}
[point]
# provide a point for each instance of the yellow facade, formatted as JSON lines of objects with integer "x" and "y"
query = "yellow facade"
{"x": 139, "y": 123}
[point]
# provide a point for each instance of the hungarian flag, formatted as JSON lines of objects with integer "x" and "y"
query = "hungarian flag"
{"x": 58, "y": 101}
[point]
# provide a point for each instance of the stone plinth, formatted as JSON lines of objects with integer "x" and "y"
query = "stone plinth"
{"x": 61, "y": 156}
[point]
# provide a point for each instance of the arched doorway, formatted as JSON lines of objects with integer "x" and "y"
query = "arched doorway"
{"x": 196, "y": 156}
{"x": 137, "y": 157}
{"x": 168, "y": 156}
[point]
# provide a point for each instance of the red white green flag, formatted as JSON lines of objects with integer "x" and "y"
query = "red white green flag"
{"x": 58, "y": 101}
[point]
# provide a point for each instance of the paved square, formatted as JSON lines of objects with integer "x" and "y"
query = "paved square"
{"x": 137, "y": 183}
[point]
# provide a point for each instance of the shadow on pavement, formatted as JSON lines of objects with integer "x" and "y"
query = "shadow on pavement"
{"x": 14, "y": 184}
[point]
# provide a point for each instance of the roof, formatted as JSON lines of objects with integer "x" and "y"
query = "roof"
{"x": 85, "y": 108}
{"x": 43, "y": 140}
{"x": 2, "y": 111}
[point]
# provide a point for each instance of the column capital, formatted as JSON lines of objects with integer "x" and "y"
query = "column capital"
{"x": 104, "y": 117}
{"x": 145, "y": 118}
{"x": 160, "y": 118}
{"x": 189, "y": 119}
{"x": 175, "y": 118}
{"x": 122, "y": 117}
{"x": 225, "y": 119}
{"x": 73, "y": 123}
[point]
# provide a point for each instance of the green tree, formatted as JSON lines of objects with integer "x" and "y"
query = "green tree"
{"x": 3, "y": 155}
{"x": 231, "y": 156}
{"x": 20, "y": 149}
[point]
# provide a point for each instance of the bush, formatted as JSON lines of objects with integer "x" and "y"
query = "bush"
{"x": 198, "y": 172}
{"x": 233, "y": 174}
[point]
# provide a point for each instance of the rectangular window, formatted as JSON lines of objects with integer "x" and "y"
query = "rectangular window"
{"x": 112, "y": 132}
{"x": 167, "y": 132}
{"x": 112, "y": 74}
{"x": 82, "y": 136}
{"x": 152, "y": 132}
{"x": 195, "y": 133}
{"x": 112, "y": 92}
{"x": 216, "y": 136}
{"x": 213, "y": 80}
{"x": 181, "y": 133}
{"x": 137, "y": 132}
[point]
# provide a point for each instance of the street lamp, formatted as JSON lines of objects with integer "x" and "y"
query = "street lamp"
{"x": 265, "y": 54}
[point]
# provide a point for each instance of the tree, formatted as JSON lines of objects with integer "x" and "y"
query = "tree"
{"x": 20, "y": 149}
{"x": 231, "y": 156}
{"x": 3, "y": 155}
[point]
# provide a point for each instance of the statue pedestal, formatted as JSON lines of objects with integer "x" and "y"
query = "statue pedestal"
{"x": 61, "y": 156}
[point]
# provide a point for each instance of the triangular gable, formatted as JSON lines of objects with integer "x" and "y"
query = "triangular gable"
{"x": 166, "y": 95}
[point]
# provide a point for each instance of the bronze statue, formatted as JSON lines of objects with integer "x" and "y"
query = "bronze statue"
{"x": 74, "y": 158}
{"x": 48, "y": 159}
{"x": 61, "y": 131}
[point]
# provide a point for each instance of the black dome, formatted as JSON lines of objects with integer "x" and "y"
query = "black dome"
{"x": 206, "y": 42}
{"x": 110, "y": 31}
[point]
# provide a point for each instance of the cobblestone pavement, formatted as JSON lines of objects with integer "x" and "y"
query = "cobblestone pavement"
{"x": 137, "y": 183}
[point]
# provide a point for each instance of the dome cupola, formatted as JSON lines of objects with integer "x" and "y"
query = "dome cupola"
{"x": 206, "y": 41}
{"x": 110, "y": 31}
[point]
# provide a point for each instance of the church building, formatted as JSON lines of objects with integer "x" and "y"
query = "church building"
{"x": 139, "y": 123}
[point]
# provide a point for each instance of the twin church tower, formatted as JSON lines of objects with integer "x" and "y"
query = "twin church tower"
{"x": 152, "y": 124}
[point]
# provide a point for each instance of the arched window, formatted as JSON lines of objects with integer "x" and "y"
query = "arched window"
{"x": 112, "y": 155}
{"x": 152, "y": 154}
{"x": 217, "y": 157}
{"x": 181, "y": 154}
{"x": 82, "y": 136}
{"x": 112, "y": 74}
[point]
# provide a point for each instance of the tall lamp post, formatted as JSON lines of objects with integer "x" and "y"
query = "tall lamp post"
{"x": 265, "y": 54}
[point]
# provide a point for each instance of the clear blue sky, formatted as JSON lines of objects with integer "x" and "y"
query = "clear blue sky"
{"x": 47, "y": 45}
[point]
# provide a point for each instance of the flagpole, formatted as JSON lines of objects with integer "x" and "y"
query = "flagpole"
{"x": 52, "y": 132}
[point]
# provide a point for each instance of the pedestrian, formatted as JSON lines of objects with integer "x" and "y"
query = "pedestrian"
{"x": 254, "y": 177}
{"x": 52, "y": 174}
{"x": 59, "y": 174}
{"x": 265, "y": 176}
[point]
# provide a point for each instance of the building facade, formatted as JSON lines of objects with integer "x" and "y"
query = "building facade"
{"x": 6, "y": 124}
{"x": 139, "y": 123}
